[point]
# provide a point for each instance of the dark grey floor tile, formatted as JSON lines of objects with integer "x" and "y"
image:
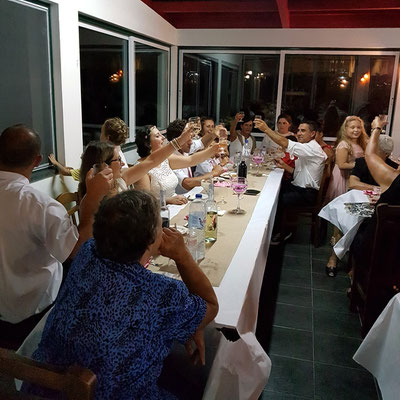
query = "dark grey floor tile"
{"x": 334, "y": 383}
{"x": 290, "y": 376}
{"x": 318, "y": 266}
{"x": 296, "y": 278}
{"x": 289, "y": 316}
{"x": 297, "y": 250}
{"x": 267, "y": 395}
{"x": 296, "y": 262}
{"x": 330, "y": 301}
{"x": 337, "y": 323}
{"x": 336, "y": 284}
{"x": 335, "y": 350}
{"x": 294, "y": 295}
{"x": 321, "y": 253}
{"x": 291, "y": 343}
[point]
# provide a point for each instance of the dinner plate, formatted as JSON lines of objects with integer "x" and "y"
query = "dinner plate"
{"x": 181, "y": 229}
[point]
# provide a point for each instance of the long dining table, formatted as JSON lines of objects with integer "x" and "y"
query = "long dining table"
{"x": 240, "y": 367}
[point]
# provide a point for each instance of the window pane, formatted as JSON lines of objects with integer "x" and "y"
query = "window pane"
{"x": 260, "y": 85}
{"x": 229, "y": 82}
{"x": 357, "y": 85}
{"x": 25, "y": 89}
{"x": 199, "y": 90}
{"x": 104, "y": 80}
{"x": 151, "y": 79}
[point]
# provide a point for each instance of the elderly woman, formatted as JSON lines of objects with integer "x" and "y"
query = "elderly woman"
{"x": 104, "y": 153}
{"x": 150, "y": 140}
{"x": 118, "y": 318}
{"x": 238, "y": 136}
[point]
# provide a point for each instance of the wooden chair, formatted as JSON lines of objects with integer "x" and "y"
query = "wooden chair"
{"x": 76, "y": 383}
{"x": 377, "y": 282}
{"x": 313, "y": 209}
{"x": 67, "y": 200}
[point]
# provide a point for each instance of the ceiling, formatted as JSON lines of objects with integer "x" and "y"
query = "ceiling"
{"x": 224, "y": 14}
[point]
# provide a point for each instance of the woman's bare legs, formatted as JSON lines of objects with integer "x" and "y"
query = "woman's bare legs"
{"x": 331, "y": 267}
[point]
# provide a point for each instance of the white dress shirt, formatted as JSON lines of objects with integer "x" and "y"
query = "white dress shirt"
{"x": 36, "y": 236}
{"x": 182, "y": 174}
{"x": 309, "y": 165}
{"x": 196, "y": 145}
{"x": 237, "y": 146}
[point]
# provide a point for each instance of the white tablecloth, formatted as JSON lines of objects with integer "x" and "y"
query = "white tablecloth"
{"x": 380, "y": 350}
{"x": 240, "y": 369}
{"x": 348, "y": 224}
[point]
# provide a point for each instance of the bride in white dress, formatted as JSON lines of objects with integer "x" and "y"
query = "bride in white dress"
{"x": 149, "y": 140}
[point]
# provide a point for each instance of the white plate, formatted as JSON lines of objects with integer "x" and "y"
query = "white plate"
{"x": 181, "y": 229}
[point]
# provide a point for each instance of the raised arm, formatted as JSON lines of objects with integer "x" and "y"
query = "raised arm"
{"x": 190, "y": 183}
{"x": 178, "y": 162}
{"x": 383, "y": 174}
{"x": 208, "y": 138}
{"x": 133, "y": 174}
{"x": 276, "y": 137}
{"x": 233, "y": 134}
{"x": 97, "y": 187}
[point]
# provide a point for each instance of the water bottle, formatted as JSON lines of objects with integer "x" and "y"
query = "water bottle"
{"x": 246, "y": 153}
{"x": 164, "y": 210}
{"x": 197, "y": 219}
{"x": 212, "y": 216}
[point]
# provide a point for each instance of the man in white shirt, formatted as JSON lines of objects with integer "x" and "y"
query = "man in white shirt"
{"x": 36, "y": 234}
{"x": 307, "y": 172}
{"x": 186, "y": 179}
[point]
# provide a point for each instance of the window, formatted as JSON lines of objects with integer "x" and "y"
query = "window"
{"x": 104, "y": 80}
{"x": 151, "y": 81}
{"x": 320, "y": 87}
{"x": 25, "y": 88}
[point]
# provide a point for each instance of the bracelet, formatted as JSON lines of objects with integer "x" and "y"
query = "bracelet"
{"x": 176, "y": 144}
{"x": 377, "y": 127}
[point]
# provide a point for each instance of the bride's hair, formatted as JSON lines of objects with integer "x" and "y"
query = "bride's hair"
{"x": 142, "y": 140}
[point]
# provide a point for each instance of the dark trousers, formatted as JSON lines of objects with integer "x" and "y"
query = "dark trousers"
{"x": 290, "y": 196}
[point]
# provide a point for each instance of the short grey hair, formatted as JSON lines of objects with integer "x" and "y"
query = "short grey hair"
{"x": 386, "y": 144}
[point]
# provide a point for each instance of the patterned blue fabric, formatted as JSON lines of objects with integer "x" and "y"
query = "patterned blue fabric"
{"x": 120, "y": 321}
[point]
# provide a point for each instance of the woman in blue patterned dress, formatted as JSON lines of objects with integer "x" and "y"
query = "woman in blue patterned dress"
{"x": 116, "y": 317}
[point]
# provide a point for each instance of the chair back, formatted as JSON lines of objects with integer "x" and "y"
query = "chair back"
{"x": 75, "y": 382}
{"x": 71, "y": 202}
{"x": 323, "y": 187}
{"x": 381, "y": 280}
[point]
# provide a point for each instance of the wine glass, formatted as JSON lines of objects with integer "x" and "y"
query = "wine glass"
{"x": 258, "y": 159}
{"x": 239, "y": 186}
{"x": 196, "y": 124}
{"x": 241, "y": 112}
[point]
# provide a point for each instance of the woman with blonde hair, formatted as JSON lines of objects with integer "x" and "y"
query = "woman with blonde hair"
{"x": 351, "y": 144}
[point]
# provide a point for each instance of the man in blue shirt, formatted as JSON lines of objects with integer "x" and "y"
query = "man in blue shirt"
{"x": 118, "y": 318}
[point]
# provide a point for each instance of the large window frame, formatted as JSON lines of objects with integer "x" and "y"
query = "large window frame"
{"x": 283, "y": 53}
{"x": 130, "y": 97}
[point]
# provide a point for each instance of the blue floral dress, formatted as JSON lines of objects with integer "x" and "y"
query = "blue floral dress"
{"x": 119, "y": 320}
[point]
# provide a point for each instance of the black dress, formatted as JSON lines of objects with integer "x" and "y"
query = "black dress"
{"x": 362, "y": 242}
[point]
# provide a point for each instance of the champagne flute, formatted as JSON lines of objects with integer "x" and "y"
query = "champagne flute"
{"x": 196, "y": 124}
{"x": 239, "y": 186}
{"x": 258, "y": 159}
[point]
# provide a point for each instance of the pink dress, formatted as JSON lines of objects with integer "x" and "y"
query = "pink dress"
{"x": 338, "y": 183}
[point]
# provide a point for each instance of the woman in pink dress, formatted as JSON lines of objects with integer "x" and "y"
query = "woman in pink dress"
{"x": 351, "y": 143}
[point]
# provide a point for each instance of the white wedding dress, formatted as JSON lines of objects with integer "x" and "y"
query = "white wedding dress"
{"x": 162, "y": 177}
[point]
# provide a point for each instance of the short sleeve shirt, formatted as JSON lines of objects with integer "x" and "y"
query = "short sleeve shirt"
{"x": 119, "y": 320}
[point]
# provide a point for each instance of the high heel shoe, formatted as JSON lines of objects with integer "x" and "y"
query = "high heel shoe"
{"x": 331, "y": 271}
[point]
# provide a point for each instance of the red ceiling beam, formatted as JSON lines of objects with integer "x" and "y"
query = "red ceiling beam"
{"x": 343, "y": 5}
{"x": 219, "y": 6}
{"x": 227, "y": 21}
{"x": 283, "y": 13}
{"x": 357, "y": 19}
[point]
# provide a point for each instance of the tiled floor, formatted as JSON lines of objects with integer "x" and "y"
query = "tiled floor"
{"x": 307, "y": 329}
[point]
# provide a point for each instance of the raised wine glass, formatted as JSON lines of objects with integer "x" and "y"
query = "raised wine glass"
{"x": 239, "y": 186}
{"x": 196, "y": 124}
{"x": 258, "y": 159}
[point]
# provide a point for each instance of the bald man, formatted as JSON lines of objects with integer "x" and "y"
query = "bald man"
{"x": 36, "y": 235}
